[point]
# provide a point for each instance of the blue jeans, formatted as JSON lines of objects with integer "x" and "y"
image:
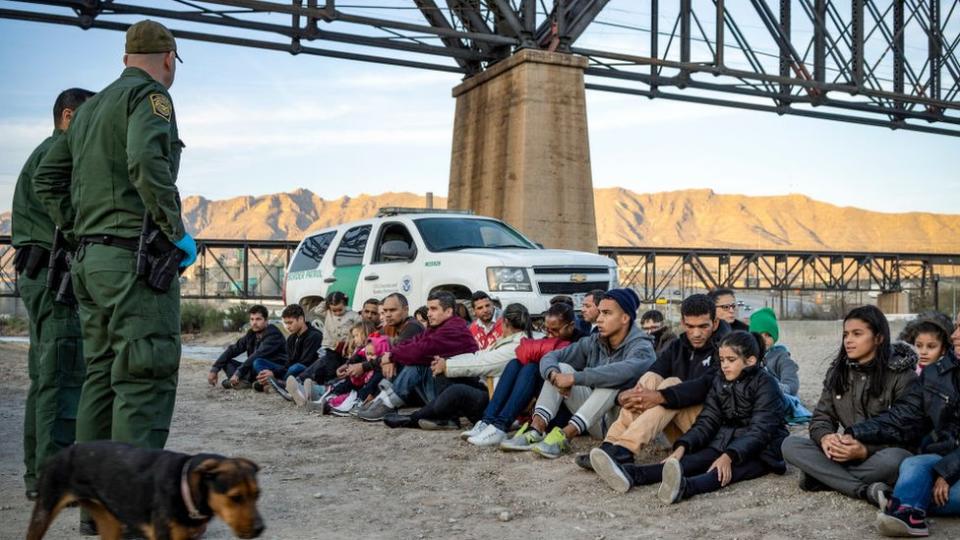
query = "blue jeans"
{"x": 279, "y": 371}
{"x": 415, "y": 380}
{"x": 517, "y": 386}
{"x": 915, "y": 486}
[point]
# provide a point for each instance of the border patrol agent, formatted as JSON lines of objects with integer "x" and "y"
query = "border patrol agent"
{"x": 116, "y": 165}
{"x": 55, "y": 360}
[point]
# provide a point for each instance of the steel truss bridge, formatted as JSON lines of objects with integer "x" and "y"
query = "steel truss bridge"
{"x": 656, "y": 272}
{"x": 889, "y": 63}
{"x": 254, "y": 269}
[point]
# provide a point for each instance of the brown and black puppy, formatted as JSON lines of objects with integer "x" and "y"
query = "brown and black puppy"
{"x": 164, "y": 495}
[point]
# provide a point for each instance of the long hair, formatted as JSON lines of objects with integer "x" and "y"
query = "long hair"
{"x": 838, "y": 379}
{"x": 517, "y": 316}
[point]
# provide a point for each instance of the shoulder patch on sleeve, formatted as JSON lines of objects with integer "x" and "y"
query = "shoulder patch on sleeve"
{"x": 161, "y": 106}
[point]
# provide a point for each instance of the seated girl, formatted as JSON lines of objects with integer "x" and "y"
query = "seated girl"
{"x": 352, "y": 386}
{"x": 929, "y": 333}
{"x": 865, "y": 378}
{"x": 736, "y": 437}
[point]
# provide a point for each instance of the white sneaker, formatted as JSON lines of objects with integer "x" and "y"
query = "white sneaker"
{"x": 295, "y": 389}
{"x": 490, "y": 436}
{"x": 475, "y": 430}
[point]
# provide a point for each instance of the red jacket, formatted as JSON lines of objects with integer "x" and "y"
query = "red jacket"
{"x": 530, "y": 351}
{"x": 450, "y": 338}
{"x": 486, "y": 339}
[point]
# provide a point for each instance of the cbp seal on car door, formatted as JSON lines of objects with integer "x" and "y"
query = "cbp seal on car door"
{"x": 406, "y": 284}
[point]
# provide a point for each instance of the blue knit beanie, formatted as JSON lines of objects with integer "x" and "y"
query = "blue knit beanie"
{"x": 627, "y": 299}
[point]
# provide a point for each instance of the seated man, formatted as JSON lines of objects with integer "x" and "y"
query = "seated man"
{"x": 337, "y": 323}
{"x": 487, "y": 327}
{"x": 262, "y": 341}
{"x": 587, "y": 375}
{"x": 589, "y": 311}
{"x": 447, "y": 336}
{"x": 370, "y": 312}
{"x": 652, "y": 323}
{"x": 669, "y": 397}
{"x": 303, "y": 346}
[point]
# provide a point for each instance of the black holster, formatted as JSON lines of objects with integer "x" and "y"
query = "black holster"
{"x": 158, "y": 260}
{"x": 28, "y": 260}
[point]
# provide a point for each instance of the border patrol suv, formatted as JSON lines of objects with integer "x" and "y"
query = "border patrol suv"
{"x": 417, "y": 252}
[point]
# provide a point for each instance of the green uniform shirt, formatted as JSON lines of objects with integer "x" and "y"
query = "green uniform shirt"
{"x": 30, "y": 223}
{"x": 119, "y": 157}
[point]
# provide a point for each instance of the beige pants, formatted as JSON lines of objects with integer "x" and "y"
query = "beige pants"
{"x": 633, "y": 431}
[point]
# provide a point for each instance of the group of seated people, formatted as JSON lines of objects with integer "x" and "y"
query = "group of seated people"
{"x": 886, "y": 428}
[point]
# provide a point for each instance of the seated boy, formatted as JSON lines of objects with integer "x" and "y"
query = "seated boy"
{"x": 586, "y": 377}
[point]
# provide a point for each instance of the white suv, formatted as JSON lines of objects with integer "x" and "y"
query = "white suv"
{"x": 416, "y": 252}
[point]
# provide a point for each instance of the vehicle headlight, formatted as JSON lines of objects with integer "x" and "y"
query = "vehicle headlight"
{"x": 508, "y": 278}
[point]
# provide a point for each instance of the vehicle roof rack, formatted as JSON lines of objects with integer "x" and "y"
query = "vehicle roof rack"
{"x": 398, "y": 210}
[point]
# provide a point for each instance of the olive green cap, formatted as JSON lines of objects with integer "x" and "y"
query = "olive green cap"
{"x": 147, "y": 37}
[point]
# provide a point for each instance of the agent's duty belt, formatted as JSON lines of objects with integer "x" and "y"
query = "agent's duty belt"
{"x": 129, "y": 244}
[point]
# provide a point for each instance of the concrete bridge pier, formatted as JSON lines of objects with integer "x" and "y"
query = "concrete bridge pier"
{"x": 521, "y": 151}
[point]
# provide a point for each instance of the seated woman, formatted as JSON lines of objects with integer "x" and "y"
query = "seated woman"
{"x": 865, "y": 378}
{"x": 460, "y": 390}
{"x": 520, "y": 380}
{"x": 736, "y": 437}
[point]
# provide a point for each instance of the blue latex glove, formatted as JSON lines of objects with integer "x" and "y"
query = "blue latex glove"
{"x": 189, "y": 246}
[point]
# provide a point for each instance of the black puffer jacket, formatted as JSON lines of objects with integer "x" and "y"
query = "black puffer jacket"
{"x": 695, "y": 367}
{"x": 926, "y": 415}
{"x": 743, "y": 418}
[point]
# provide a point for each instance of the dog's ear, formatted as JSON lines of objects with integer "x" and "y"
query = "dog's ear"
{"x": 208, "y": 467}
{"x": 247, "y": 463}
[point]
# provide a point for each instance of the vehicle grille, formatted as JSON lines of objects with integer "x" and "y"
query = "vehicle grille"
{"x": 541, "y": 270}
{"x": 559, "y": 287}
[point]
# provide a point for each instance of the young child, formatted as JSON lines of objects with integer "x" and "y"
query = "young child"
{"x": 354, "y": 386}
{"x": 780, "y": 364}
{"x": 930, "y": 335}
{"x": 736, "y": 437}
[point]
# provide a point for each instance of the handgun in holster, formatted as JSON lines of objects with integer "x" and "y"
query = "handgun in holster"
{"x": 58, "y": 271}
{"x": 158, "y": 260}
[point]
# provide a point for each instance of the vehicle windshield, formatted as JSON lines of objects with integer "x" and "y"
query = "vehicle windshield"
{"x": 451, "y": 234}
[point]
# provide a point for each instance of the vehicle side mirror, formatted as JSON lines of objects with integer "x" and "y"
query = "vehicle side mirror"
{"x": 397, "y": 250}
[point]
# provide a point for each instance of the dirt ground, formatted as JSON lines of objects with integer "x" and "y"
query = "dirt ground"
{"x": 328, "y": 477}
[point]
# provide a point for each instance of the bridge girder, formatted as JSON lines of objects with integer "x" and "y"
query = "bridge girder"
{"x": 854, "y": 61}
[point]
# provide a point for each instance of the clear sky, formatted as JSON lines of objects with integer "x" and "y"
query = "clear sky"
{"x": 257, "y": 122}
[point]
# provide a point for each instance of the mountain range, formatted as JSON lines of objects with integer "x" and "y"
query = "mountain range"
{"x": 688, "y": 218}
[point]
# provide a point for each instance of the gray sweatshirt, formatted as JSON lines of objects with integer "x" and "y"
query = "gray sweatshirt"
{"x": 781, "y": 365}
{"x": 599, "y": 367}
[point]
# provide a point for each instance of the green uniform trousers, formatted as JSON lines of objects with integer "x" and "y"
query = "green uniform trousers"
{"x": 131, "y": 343}
{"x": 56, "y": 369}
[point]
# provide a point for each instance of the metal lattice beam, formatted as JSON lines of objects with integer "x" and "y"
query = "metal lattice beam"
{"x": 889, "y": 63}
{"x": 652, "y": 271}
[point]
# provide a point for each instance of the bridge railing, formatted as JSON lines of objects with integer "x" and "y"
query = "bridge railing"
{"x": 228, "y": 269}
{"x": 659, "y": 273}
